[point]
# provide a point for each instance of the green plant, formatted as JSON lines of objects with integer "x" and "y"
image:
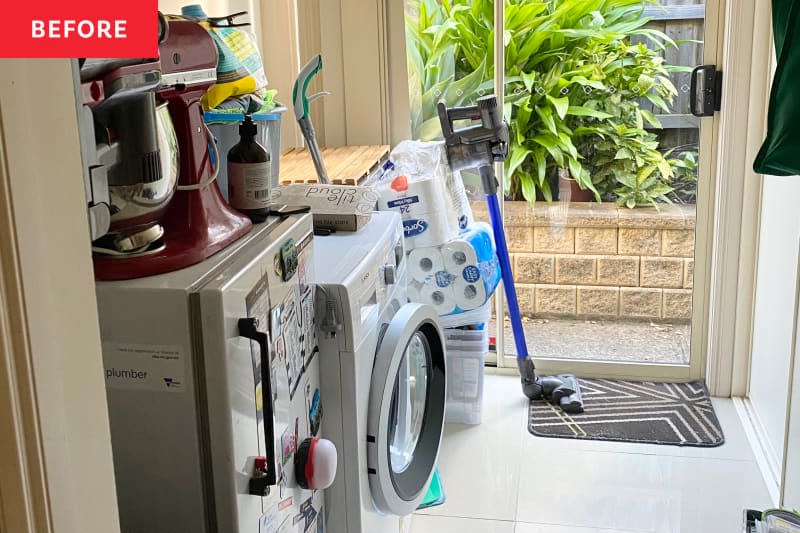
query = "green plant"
{"x": 432, "y": 73}
{"x": 573, "y": 84}
{"x": 684, "y": 177}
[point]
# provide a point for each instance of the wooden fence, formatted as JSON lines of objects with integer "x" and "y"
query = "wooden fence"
{"x": 683, "y": 21}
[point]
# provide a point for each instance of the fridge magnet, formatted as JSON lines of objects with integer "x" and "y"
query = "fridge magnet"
{"x": 285, "y": 504}
{"x": 314, "y": 411}
{"x": 270, "y": 521}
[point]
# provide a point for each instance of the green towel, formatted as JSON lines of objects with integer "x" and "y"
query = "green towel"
{"x": 779, "y": 155}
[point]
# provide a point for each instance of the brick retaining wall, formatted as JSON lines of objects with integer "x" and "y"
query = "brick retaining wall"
{"x": 600, "y": 261}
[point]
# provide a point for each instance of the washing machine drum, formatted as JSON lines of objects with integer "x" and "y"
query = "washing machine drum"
{"x": 406, "y": 409}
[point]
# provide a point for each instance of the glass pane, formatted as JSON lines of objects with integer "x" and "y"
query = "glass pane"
{"x": 409, "y": 403}
{"x": 602, "y": 177}
{"x": 450, "y": 58}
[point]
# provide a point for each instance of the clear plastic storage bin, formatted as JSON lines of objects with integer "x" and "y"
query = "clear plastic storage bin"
{"x": 480, "y": 315}
{"x": 225, "y": 129}
{"x": 466, "y": 354}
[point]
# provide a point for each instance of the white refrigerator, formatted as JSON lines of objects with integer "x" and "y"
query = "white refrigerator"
{"x": 212, "y": 379}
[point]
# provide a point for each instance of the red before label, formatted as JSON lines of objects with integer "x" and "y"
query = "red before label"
{"x": 85, "y": 28}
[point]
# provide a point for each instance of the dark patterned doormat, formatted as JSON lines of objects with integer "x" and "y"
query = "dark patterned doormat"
{"x": 678, "y": 414}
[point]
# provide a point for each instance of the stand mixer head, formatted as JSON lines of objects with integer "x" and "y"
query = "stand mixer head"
{"x": 194, "y": 220}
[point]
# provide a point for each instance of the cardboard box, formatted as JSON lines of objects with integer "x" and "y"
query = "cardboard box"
{"x": 335, "y": 207}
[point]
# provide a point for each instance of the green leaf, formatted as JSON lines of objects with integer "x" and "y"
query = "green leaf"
{"x": 518, "y": 155}
{"x": 580, "y": 111}
{"x": 665, "y": 168}
{"x": 520, "y": 122}
{"x": 561, "y": 105}
{"x": 432, "y": 96}
{"x": 528, "y": 187}
{"x": 549, "y": 144}
{"x": 546, "y": 114}
{"x": 651, "y": 119}
{"x": 546, "y": 192}
{"x": 644, "y": 173}
{"x": 541, "y": 165}
{"x": 624, "y": 153}
{"x": 658, "y": 101}
{"x": 431, "y": 130}
{"x": 464, "y": 89}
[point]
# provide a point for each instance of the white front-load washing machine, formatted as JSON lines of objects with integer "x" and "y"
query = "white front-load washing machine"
{"x": 382, "y": 365}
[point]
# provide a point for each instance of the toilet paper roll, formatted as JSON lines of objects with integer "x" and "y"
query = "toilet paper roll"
{"x": 424, "y": 263}
{"x": 468, "y": 250}
{"x": 440, "y": 298}
{"x": 469, "y": 295}
{"x": 409, "y": 196}
{"x": 426, "y": 230}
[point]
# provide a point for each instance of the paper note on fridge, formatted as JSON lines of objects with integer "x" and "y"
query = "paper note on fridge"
{"x": 339, "y": 207}
{"x": 145, "y": 367}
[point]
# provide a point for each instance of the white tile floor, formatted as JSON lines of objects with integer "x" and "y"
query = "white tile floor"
{"x": 538, "y": 485}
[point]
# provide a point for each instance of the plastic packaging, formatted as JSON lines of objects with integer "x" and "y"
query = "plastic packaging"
{"x": 481, "y": 315}
{"x": 417, "y": 183}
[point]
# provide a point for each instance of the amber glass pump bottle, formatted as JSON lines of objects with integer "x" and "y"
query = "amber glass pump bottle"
{"x": 249, "y": 168}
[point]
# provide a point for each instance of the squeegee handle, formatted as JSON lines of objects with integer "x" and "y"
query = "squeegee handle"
{"x": 300, "y": 90}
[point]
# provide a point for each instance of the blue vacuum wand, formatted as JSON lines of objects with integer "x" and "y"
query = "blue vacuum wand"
{"x": 481, "y": 146}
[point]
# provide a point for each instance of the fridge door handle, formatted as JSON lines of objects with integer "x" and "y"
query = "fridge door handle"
{"x": 262, "y": 480}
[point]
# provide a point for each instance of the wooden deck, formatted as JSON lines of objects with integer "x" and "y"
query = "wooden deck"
{"x": 346, "y": 165}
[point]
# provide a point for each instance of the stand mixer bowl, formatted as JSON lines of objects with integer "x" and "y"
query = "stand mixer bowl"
{"x": 140, "y": 150}
{"x": 144, "y": 202}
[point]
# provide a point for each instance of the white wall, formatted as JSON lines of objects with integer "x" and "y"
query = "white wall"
{"x": 775, "y": 308}
{"x": 791, "y": 475}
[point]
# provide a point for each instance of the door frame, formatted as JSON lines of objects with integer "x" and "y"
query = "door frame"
{"x": 23, "y": 494}
{"x": 727, "y": 218}
{"x": 704, "y": 243}
{"x": 53, "y": 416}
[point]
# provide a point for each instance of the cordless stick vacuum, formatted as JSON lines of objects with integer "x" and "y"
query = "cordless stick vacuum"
{"x": 301, "y": 102}
{"x": 481, "y": 146}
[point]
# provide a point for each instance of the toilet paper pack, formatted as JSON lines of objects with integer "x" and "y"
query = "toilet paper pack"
{"x": 426, "y": 229}
{"x": 457, "y": 276}
{"x": 430, "y": 198}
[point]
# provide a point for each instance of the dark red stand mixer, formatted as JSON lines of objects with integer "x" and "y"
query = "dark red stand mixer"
{"x": 154, "y": 203}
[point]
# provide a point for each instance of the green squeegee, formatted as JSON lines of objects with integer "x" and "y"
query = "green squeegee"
{"x": 435, "y": 495}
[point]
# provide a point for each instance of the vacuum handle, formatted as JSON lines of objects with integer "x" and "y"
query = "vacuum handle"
{"x": 248, "y": 328}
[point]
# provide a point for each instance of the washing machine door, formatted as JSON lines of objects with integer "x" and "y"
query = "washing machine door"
{"x": 406, "y": 409}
